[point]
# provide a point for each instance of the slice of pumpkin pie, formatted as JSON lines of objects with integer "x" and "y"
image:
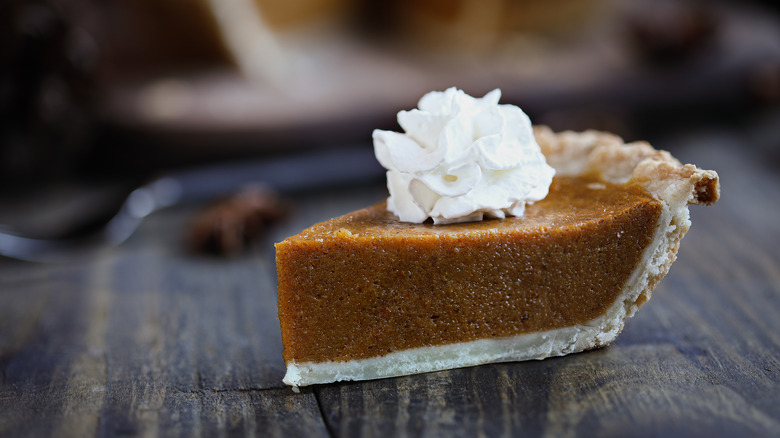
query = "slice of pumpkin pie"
{"x": 498, "y": 242}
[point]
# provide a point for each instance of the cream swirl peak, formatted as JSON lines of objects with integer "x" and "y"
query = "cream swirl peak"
{"x": 462, "y": 159}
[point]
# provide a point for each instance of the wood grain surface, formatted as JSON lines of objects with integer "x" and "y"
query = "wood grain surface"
{"x": 149, "y": 340}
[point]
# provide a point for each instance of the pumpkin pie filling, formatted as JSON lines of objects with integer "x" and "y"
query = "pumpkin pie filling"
{"x": 366, "y": 285}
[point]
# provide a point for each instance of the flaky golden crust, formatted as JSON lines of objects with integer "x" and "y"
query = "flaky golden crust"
{"x": 606, "y": 155}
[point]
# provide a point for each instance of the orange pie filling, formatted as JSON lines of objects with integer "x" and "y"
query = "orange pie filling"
{"x": 366, "y": 285}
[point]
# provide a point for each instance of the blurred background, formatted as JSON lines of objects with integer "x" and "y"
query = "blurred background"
{"x": 122, "y": 90}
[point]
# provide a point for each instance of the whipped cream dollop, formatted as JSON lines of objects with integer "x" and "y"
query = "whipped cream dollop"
{"x": 462, "y": 159}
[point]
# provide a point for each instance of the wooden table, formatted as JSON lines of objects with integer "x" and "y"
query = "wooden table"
{"x": 149, "y": 340}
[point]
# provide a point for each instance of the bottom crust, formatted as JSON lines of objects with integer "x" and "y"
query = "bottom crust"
{"x": 538, "y": 345}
